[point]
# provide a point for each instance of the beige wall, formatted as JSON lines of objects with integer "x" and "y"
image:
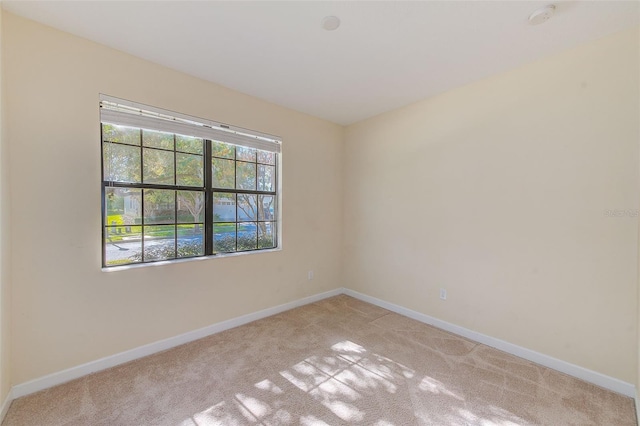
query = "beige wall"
{"x": 497, "y": 192}
{"x": 5, "y": 254}
{"x": 66, "y": 311}
{"x": 638, "y": 308}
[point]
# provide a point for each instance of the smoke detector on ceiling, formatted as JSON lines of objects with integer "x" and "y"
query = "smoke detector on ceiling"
{"x": 330, "y": 23}
{"x": 542, "y": 15}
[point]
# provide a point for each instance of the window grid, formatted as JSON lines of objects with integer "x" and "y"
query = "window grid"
{"x": 260, "y": 224}
{"x": 264, "y": 225}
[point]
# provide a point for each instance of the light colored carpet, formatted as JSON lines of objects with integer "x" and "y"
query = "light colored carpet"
{"x": 336, "y": 362}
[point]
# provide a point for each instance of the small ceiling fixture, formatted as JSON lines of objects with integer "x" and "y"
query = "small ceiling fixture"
{"x": 542, "y": 15}
{"x": 330, "y": 23}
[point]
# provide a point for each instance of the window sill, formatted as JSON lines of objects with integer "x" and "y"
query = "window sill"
{"x": 188, "y": 259}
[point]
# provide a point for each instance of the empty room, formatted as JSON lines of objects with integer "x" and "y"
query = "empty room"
{"x": 319, "y": 213}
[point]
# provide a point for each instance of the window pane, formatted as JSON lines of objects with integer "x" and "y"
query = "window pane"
{"x": 189, "y": 144}
{"x": 246, "y": 154}
{"x": 120, "y": 134}
{"x": 247, "y": 236}
{"x": 223, "y": 173}
{"x": 121, "y": 163}
{"x": 159, "y": 242}
{"x": 266, "y": 207}
{"x": 245, "y": 175}
{"x": 190, "y": 206}
{"x": 224, "y": 150}
{"x": 123, "y": 245}
{"x": 266, "y": 157}
{"x": 266, "y": 178}
{"x": 122, "y": 206}
{"x": 224, "y": 237}
{"x": 224, "y": 207}
{"x": 159, "y": 206}
{"x": 158, "y": 166}
{"x": 190, "y": 240}
{"x": 189, "y": 171}
{"x": 157, "y": 139}
{"x": 266, "y": 235}
{"x": 247, "y": 207}
{"x": 158, "y": 222}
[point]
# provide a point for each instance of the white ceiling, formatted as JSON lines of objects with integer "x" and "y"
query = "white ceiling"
{"x": 385, "y": 54}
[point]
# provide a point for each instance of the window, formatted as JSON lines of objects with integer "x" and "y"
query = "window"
{"x": 176, "y": 186}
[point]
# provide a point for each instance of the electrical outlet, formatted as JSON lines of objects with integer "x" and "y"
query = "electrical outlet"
{"x": 310, "y": 275}
{"x": 443, "y": 294}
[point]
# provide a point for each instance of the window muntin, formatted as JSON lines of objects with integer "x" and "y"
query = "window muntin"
{"x": 160, "y": 203}
{"x": 244, "y": 199}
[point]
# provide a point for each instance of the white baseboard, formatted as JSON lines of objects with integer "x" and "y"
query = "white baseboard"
{"x": 587, "y": 375}
{"x": 6, "y": 404}
{"x": 142, "y": 351}
{"x": 60, "y": 377}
